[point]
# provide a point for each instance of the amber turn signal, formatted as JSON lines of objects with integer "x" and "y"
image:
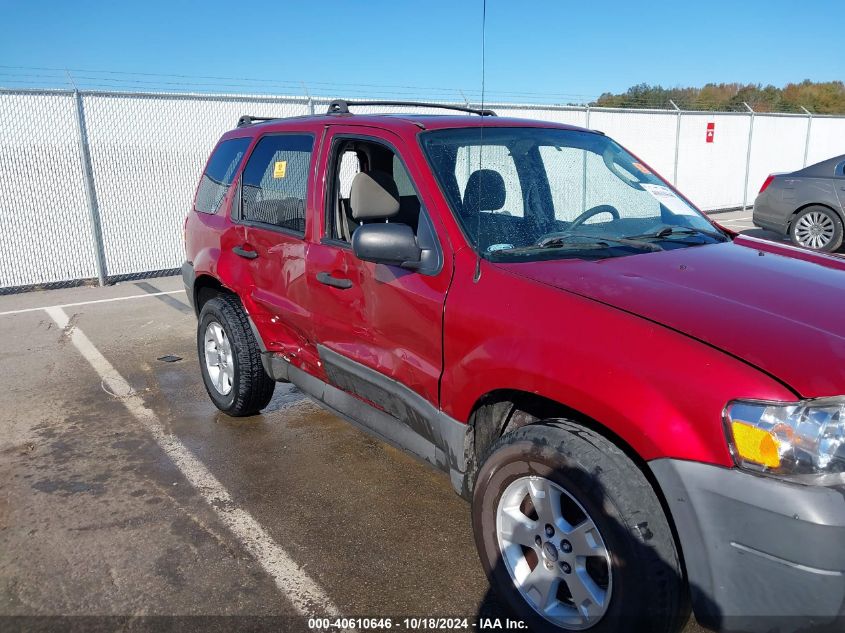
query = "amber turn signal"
{"x": 755, "y": 445}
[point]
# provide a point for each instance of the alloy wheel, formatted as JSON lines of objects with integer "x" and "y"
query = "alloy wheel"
{"x": 815, "y": 230}
{"x": 555, "y": 555}
{"x": 219, "y": 361}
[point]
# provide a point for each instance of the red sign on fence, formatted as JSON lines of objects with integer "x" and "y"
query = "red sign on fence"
{"x": 711, "y": 130}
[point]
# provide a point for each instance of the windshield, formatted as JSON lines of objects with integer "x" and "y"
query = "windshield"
{"x": 539, "y": 193}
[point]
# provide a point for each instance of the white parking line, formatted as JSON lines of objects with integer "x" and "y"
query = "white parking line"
{"x": 303, "y": 592}
{"x": 85, "y": 303}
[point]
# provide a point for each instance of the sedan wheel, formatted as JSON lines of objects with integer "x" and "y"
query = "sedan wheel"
{"x": 817, "y": 228}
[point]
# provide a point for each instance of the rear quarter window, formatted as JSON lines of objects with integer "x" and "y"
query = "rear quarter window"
{"x": 219, "y": 173}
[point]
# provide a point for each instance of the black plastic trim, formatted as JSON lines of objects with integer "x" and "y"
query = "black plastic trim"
{"x": 760, "y": 554}
{"x": 248, "y": 119}
{"x": 383, "y": 407}
{"x": 273, "y": 227}
{"x": 242, "y": 252}
{"x": 328, "y": 279}
{"x": 340, "y": 106}
{"x": 392, "y": 244}
{"x": 188, "y": 280}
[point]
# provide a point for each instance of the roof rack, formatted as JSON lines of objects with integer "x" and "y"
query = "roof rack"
{"x": 340, "y": 106}
{"x": 249, "y": 120}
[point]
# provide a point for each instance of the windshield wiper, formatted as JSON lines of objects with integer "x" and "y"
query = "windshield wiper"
{"x": 668, "y": 231}
{"x": 558, "y": 241}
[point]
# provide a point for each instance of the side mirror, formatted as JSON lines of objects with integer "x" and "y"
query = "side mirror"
{"x": 389, "y": 243}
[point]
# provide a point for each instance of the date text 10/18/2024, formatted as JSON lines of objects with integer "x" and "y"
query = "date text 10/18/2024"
{"x": 429, "y": 624}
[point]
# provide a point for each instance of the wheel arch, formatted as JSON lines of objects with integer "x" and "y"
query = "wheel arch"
{"x": 807, "y": 205}
{"x": 513, "y": 408}
{"x": 207, "y": 287}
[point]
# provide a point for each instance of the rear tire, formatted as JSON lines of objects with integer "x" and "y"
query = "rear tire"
{"x": 817, "y": 228}
{"x": 230, "y": 360}
{"x": 600, "y": 557}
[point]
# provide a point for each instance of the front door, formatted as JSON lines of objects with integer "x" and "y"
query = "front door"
{"x": 386, "y": 320}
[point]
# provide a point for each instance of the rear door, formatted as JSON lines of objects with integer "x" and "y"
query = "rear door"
{"x": 271, "y": 208}
{"x": 839, "y": 183}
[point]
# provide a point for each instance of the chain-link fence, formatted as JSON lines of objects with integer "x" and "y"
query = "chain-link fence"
{"x": 96, "y": 185}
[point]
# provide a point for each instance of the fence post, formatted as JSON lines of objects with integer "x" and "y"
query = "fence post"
{"x": 90, "y": 191}
{"x": 807, "y": 140}
{"x": 310, "y": 100}
{"x": 748, "y": 157}
{"x": 677, "y": 142}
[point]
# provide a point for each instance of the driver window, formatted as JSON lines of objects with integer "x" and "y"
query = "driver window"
{"x": 352, "y": 157}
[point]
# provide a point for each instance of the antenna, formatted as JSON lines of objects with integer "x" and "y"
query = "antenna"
{"x": 477, "y": 274}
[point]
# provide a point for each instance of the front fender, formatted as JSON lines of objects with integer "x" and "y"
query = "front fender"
{"x": 661, "y": 391}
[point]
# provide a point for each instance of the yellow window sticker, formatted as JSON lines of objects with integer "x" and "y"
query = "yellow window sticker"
{"x": 280, "y": 168}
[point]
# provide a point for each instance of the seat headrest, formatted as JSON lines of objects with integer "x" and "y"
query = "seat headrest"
{"x": 374, "y": 195}
{"x": 485, "y": 191}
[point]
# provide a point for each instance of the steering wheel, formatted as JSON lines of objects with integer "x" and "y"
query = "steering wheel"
{"x": 602, "y": 208}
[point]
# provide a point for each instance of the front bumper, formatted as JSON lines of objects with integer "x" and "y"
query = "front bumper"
{"x": 760, "y": 554}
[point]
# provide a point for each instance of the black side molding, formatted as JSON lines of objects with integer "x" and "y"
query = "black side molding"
{"x": 400, "y": 417}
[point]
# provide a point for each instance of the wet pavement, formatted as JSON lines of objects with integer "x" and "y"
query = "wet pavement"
{"x": 98, "y": 518}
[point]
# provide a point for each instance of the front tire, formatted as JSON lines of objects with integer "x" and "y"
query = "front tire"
{"x": 230, "y": 359}
{"x": 817, "y": 228}
{"x": 572, "y": 535}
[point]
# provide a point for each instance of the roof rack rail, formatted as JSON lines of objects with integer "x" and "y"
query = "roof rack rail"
{"x": 249, "y": 120}
{"x": 340, "y": 106}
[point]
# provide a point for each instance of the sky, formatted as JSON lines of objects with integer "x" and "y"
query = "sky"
{"x": 562, "y": 52}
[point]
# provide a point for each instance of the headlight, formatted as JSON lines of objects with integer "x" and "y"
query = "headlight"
{"x": 790, "y": 438}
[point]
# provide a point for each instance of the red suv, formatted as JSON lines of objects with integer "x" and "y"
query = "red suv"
{"x": 645, "y": 409}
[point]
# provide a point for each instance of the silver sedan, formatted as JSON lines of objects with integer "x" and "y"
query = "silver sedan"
{"x": 808, "y": 205}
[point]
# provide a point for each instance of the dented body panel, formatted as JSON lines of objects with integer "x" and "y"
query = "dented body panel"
{"x": 648, "y": 348}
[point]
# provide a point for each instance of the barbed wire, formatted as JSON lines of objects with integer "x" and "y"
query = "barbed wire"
{"x": 103, "y": 79}
{"x": 60, "y": 77}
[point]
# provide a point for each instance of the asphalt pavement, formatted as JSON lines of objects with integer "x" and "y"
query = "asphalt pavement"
{"x": 125, "y": 493}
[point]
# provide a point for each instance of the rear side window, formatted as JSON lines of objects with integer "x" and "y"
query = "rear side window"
{"x": 275, "y": 181}
{"x": 218, "y": 175}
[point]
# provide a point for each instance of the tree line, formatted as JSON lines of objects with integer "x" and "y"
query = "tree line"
{"x": 818, "y": 97}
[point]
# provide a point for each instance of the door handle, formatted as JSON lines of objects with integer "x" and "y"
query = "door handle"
{"x": 242, "y": 252}
{"x": 334, "y": 282}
